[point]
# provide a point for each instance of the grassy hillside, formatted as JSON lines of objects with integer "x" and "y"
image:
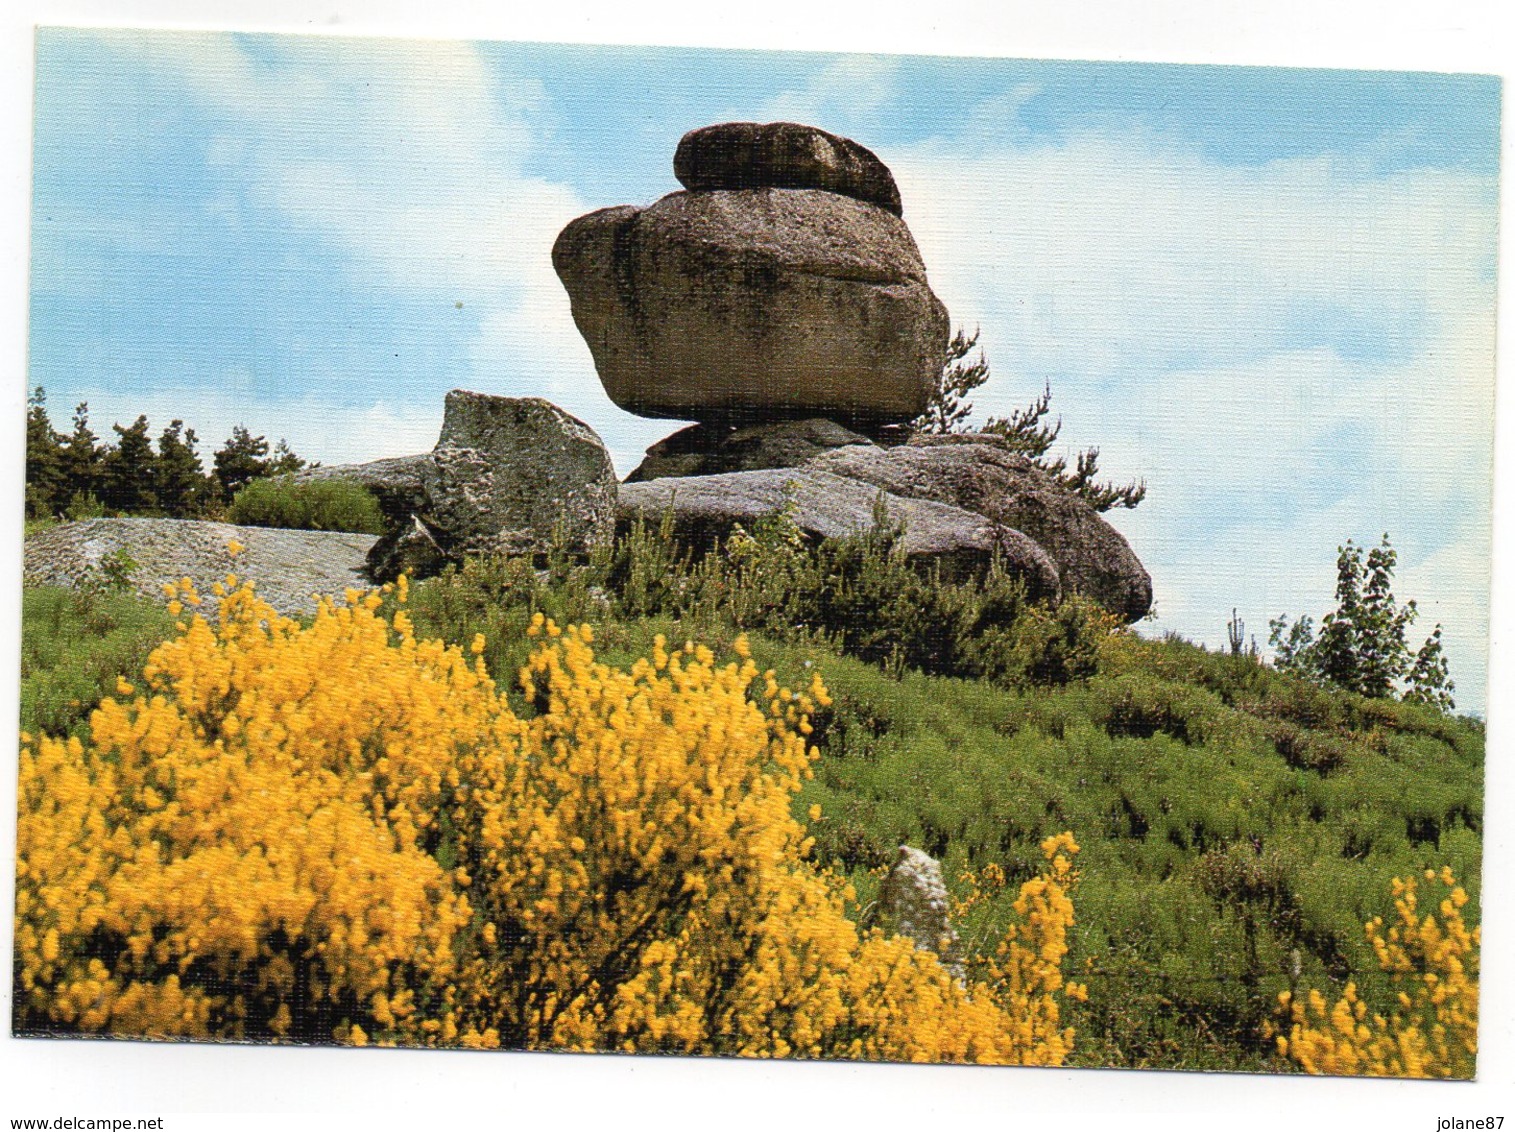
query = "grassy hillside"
{"x": 1238, "y": 826}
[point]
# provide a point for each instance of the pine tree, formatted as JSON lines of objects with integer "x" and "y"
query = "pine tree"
{"x": 130, "y": 471}
{"x": 1029, "y": 435}
{"x": 181, "y": 483}
{"x": 46, "y": 481}
{"x": 283, "y": 462}
{"x": 947, "y": 410}
{"x": 82, "y": 458}
{"x": 243, "y": 459}
{"x": 1026, "y": 431}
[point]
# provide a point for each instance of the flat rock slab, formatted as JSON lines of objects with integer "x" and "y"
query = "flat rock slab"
{"x": 289, "y": 567}
{"x": 823, "y": 505}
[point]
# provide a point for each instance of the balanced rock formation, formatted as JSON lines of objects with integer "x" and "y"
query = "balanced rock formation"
{"x": 821, "y": 504}
{"x": 781, "y": 302}
{"x": 507, "y": 476}
{"x": 745, "y": 304}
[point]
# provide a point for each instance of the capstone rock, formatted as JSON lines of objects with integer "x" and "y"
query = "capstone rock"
{"x": 783, "y": 155}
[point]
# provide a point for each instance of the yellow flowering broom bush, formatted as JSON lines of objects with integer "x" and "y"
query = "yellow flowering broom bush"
{"x": 1432, "y": 1028}
{"x": 339, "y": 832}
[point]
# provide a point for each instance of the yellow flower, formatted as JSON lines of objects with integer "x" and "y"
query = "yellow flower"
{"x": 395, "y": 857}
{"x": 1432, "y": 1028}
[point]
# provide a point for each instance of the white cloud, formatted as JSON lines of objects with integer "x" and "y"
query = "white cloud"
{"x": 854, "y": 88}
{"x": 408, "y": 158}
{"x": 1109, "y": 252}
{"x": 1290, "y": 354}
{"x": 403, "y": 160}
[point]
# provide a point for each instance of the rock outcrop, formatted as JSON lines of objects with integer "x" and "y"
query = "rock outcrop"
{"x": 783, "y": 155}
{"x": 979, "y": 474}
{"x": 290, "y": 567}
{"x": 507, "y": 476}
{"x": 782, "y": 303}
{"x": 985, "y": 496}
{"x": 510, "y": 473}
{"x": 912, "y": 902}
{"x": 825, "y": 505}
{"x": 742, "y": 305}
{"x": 705, "y": 450}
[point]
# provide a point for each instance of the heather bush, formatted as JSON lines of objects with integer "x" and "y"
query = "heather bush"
{"x": 1218, "y": 869}
{"x": 857, "y": 595}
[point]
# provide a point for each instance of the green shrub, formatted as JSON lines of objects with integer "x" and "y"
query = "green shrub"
{"x": 83, "y": 506}
{"x": 317, "y": 505}
{"x": 859, "y": 595}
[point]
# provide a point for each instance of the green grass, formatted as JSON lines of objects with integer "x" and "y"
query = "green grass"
{"x": 74, "y": 645}
{"x": 1214, "y": 870}
{"x": 1238, "y": 825}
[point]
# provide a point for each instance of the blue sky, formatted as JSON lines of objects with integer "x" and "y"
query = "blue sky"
{"x": 1270, "y": 293}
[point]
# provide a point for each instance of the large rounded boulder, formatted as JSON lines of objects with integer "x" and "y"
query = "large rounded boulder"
{"x": 746, "y": 305}
{"x": 784, "y": 284}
